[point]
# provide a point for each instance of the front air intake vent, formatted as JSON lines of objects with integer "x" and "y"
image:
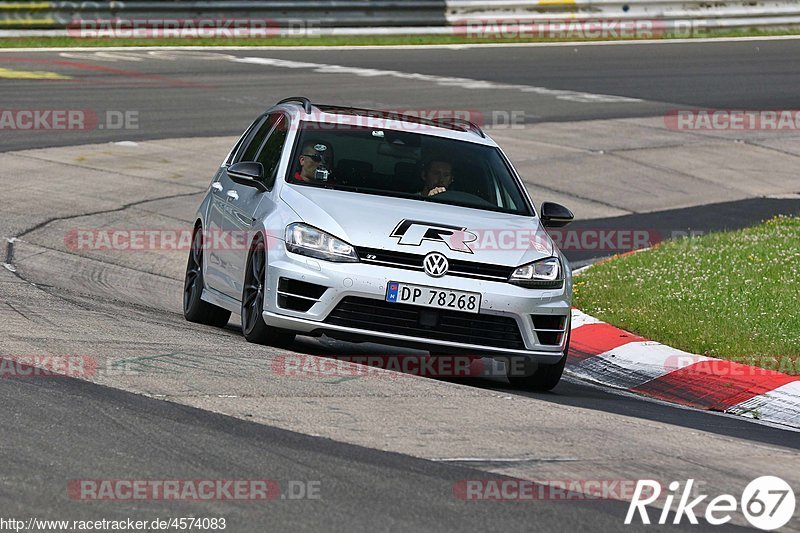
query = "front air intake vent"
{"x": 549, "y": 328}
{"x": 296, "y": 295}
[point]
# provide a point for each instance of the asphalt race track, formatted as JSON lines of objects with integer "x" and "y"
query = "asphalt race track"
{"x": 388, "y": 452}
{"x": 204, "y": 95}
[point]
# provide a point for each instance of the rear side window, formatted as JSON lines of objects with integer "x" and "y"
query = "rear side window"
{"x": 270, "y": 154}
{"x": 242, "y": 140}
{"x": 257, "y": 139}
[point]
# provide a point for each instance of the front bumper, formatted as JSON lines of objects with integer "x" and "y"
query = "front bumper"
{"x": 345, "y": 280}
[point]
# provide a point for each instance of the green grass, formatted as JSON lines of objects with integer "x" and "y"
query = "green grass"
{"x": 732, "y": 295}
{"x": 40, "y": 42}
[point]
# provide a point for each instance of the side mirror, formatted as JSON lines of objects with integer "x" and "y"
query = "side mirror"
{"x": 248, "y": 173}
{"x": 555, "y": 215}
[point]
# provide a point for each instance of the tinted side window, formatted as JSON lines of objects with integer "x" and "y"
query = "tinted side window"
{"x": 270, "y": 155}
{"x": 242, "y": 140}
{"x": 255, "y": 142}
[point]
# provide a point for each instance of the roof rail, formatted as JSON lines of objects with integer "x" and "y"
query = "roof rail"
{"x": 462, "y": 122}
{"x": 299, "y": 99}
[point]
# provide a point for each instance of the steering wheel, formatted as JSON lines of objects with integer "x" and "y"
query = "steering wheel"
{"x": 459, "y": 197}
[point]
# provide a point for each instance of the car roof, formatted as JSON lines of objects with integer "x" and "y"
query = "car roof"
{"x": 302, "y": 108}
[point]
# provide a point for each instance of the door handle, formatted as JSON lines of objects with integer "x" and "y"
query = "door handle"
{"x": 217, "y": 186}
{"x": 233, "y": 194}
{"x": 247, "y": 221}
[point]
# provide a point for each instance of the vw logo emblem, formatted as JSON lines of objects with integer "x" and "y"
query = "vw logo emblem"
{"x": 435, "y": 264}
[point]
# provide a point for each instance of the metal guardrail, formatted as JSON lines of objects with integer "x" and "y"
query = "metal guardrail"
{"x": 464, "y": 10}
{"x": 394, "y": 16}
{"x": 686, "y": 17}
{"x": 328, "y": 13}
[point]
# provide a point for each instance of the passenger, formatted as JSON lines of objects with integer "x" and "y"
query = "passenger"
{"x": 313, "y": 157}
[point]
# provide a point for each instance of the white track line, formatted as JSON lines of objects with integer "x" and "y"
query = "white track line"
{"x": 428, "y": 46}
{"x": 446, "y": 81}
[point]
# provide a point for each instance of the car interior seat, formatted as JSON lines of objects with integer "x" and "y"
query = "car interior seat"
{"x": 353, "y": 172}
{"x": 470, "y": 178}
{"x": 407, "y": 178}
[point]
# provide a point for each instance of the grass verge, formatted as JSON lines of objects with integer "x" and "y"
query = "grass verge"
{"x": 372, "y": 40}
{"x": 730, "y": 295}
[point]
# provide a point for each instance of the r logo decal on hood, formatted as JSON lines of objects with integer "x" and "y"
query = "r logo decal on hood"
{"x": 413, "y": 232}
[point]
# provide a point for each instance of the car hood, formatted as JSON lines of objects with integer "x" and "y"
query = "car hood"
{"x": 414, "y": 226}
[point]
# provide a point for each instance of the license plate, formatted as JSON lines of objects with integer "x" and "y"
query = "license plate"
{"x": 469, "y": 302}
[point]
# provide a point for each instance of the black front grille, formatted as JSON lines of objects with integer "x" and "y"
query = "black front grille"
{"x": 415, "y": 321}
{"x": 391, "y": 258}
{"x": 470, "y": 269}
{"x": 458, "y": 267}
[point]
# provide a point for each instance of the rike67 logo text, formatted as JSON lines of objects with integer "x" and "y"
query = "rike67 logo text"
{"x": 767, "y": 503}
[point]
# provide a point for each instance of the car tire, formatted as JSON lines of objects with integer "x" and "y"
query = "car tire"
{"x": 544, "y": 378}
{"x": 194, "y": 308}
{"x": 253, "y": 326}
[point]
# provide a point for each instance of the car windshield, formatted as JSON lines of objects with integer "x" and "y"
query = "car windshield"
{"x": 405, "y": 164}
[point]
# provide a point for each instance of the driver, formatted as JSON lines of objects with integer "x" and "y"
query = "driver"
{"x": 316, "y": 160}
{"x": 437, "y": 175}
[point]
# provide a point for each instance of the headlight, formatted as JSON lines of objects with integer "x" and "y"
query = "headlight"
{"x": 542, "y": 274}
{"x": 307, "y": 240}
